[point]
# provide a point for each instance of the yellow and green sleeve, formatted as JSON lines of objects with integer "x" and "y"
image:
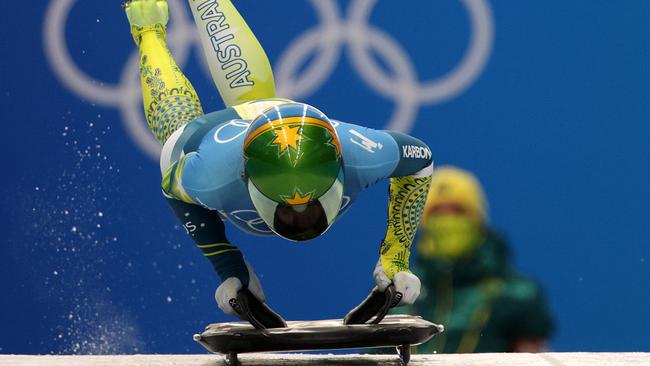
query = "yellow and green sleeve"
{"x": 170, "y": 100}
{"x": 407, "y": 196}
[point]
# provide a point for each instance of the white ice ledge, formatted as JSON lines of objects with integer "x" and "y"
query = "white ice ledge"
{"x": 485, "y": 359}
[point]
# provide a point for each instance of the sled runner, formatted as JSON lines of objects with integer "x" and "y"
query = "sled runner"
{"x": 366, "y": 326}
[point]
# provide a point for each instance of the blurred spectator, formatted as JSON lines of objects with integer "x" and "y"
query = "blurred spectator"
{"x": 468, "y": 283}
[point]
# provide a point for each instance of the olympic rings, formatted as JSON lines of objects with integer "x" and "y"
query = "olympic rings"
{"x": 328, "y": 40}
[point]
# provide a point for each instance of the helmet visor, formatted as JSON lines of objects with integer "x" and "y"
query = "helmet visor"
{"x": 300, "y": 222}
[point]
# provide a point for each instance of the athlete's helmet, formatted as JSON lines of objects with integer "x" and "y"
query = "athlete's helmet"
{"x": 293, "y": 163}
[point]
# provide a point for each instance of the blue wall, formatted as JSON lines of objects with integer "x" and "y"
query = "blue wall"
{"x": 555, "y": 125}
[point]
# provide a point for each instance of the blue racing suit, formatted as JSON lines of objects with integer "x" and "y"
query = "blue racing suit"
{"x": 202, "y": 165}
{"x": 202, "y": 154}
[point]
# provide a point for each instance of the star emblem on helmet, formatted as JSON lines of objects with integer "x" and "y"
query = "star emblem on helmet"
{"x": 334, "y": 142}
{"x": 287, "y": 136}
{"x": 298, "y": 198}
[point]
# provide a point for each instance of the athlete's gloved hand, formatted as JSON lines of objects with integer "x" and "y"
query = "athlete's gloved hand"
{"x": 143, "y": 13}
{"x": 226, "y": 294}
{"x": 406, "y": 283}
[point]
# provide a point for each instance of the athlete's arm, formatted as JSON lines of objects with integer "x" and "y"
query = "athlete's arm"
{"x": 409, "y": 186}
{"x": 204, "y": 225}
{"x": 170, "y": 100}
{"x": 208, "y": 232}
{"x": 239, "y": 67}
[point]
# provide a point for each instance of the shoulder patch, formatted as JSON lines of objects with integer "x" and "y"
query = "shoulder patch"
{"x": 415, "y": 155}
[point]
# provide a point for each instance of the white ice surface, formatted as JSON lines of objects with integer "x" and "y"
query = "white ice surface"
{"x": 487, "y": 359}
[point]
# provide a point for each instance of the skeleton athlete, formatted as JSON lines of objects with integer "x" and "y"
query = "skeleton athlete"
{"x": 297, "y": 170}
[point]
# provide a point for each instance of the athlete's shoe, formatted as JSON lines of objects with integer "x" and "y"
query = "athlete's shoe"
{"x": 146, "y": 13}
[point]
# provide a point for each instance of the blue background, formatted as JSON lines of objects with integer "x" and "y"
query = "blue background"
{"x": 556, "y": 128}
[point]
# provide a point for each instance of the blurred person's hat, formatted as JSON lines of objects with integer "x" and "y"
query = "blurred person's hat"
{"x": 455, "y": 189}
{"x": 455, "y": 215}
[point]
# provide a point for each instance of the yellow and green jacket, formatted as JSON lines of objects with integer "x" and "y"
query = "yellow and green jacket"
{"x": 484, "y": 304}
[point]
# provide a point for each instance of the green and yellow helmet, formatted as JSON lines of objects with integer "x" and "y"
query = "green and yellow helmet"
{"x": 294, "y": 167}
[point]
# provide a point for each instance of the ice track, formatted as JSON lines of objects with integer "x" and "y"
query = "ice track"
{"x": 486, "y": 359}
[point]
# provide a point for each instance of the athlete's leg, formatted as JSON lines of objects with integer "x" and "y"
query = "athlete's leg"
{"x": 238, "y": 64}
{"x": 170, "y": 100}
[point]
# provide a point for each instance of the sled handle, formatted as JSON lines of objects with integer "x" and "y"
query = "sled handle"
{"x": 258, "y": 313}
{"x": 377, "y": 305}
